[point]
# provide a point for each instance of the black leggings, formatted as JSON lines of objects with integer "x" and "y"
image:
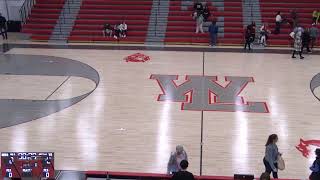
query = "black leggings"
{"x": 294, "y": 52}
{"x": 3, "y": 32}
{"x": 248, "y": 43}
{"x": 269, "y": 169}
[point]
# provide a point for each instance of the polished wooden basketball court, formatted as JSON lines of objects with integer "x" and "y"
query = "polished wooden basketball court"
{"x": 122, "y": 126}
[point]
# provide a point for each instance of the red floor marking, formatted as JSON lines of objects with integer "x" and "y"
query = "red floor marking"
{"x": 137, "y": 57}
{"x": 303, "y": 146}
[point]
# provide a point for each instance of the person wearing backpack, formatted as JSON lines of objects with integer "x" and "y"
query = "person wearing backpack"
{"x": 213, "y": 30}
{"x": 315, "y": 168}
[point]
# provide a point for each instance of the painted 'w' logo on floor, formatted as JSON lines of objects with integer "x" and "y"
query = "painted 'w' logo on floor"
{"x": 207, "y": 95}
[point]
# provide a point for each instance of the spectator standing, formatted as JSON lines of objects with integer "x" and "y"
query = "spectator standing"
{"x": 206, "y": 13}
{"x": 123, "y": 27}
{"x": 198, "y": 7}
{"x": 183, "y": 174}
{"x": 252, "y": 28}
{"x": 250, "y": 34}
{"x": 264, "y": 31}
{"x": 297, "y": 44}
{"x": 199, "y": 21}
{"x": 107, "y": 30}
{"x": 278, "y": 23}
{"x": 315, "y": 16}
{"x": 3, "y": 27}
{"x": 248, "y": 37}
{"x": 175, "y": 160}
{"x": 213, "y": 30}
{"x": 315, "y": 168}
{"x": 294, "y": 17}
{"x": 314, "y": 33}
{"x": 271, "y": 155}
{"x": 306, "y": 40}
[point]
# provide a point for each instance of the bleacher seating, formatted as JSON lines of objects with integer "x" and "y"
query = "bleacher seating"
{"x": 304, "y": 8}
{"x": 43, "y": 18}
{"x": 95, "y": 13}
{"x": 181, "y": 26}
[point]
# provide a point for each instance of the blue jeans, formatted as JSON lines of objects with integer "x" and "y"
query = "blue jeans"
{"x": 213, "y": 39}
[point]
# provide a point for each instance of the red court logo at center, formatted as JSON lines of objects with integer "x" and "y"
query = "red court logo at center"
{"x": 137, "y": 57}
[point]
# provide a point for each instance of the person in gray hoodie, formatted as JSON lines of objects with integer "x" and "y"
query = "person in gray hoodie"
{"x": 271, "y": 156}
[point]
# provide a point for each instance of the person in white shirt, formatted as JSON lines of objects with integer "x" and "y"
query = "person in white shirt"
{"x": 264, "y": 31}
{"x": 278, "y": 23}
{"x": 123, "y": 29}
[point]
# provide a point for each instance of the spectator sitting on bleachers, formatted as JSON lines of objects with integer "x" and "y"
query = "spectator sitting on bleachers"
{"x": 175, "y": 160}
{"x": 315, "y": 168}
{"x": 315, "y": 16}
{"x": 206, "y": 13}
{"x": 123, "y": 29}
{"x": 278, "y": 23}
{"x": 107, "y": 30}
{"x": 314, "y": 33}
{"x": 183, "y": 174}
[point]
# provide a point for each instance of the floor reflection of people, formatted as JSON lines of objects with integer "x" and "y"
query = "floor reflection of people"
{"x": 175, "y": 160}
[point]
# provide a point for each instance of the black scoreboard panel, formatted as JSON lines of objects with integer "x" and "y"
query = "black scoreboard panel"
{"x": 27, "y": 164}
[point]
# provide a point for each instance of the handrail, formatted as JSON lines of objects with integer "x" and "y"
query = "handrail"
{"x": 63, "y": 16}
{"x": 156, "y": 23}
{"x": 25, "y": 10}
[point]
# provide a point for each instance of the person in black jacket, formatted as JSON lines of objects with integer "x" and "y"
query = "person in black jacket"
{"x": 315, "y": 168}
{"x": 206, "y": 13}
{"x": 183, "y": 174}
{"x": 3, "y": 27}
{"x": 198, "y": 7}
{"x": 306, "y": 38}
{"x": 250, "y": 34}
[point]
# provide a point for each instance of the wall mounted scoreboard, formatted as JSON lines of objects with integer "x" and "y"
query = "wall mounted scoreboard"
{"x": 27, "y": 164}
